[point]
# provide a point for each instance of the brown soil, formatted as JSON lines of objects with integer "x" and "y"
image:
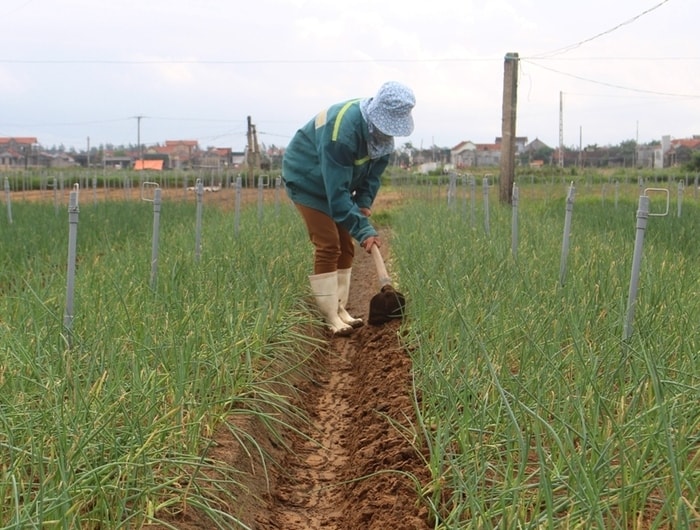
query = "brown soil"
{"x": 352, "y": 471}
{"x": 224, "y": 198}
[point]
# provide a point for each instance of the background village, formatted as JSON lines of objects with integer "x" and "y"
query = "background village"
{"x": 28, "y": 152}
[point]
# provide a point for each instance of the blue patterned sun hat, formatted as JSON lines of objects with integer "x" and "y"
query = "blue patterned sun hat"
{"x": 390, "y": 110}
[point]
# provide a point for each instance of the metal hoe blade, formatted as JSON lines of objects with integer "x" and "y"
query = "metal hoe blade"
{"x": 388, "y": 304}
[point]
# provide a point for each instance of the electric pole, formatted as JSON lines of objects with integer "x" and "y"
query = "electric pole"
{"x": 561, "y": 129}
{"x": 580, "y": 146}
{"x": 509, "y": 114}
{"x": 138, "y": 139}
{"x": 253, "y": 154}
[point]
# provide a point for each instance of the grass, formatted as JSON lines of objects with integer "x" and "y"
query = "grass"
{"x": 115, "y": 429}
{"x": 535, "y": 413}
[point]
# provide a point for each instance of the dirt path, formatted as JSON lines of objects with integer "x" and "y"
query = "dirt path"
{"x": 348, "y": 476}
{"x": 310, "y": 496}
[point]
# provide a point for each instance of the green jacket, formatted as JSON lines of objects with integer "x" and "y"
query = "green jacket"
{"x": 327, "y": 167}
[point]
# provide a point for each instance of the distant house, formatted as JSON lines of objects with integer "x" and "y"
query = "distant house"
{"x": 463, "y": 154}
{"x": 184, "y": 154}
{"x": 532, "y": 149}
{"x": 534, "y": 146}
{"x": 650, "y": 156}
{"x": 216, "y": 158}
{"x": 237, "y": 159}
{"x": 470, "y": 154}
{"x": 117, "y": 162}
{"x": 677, "y": 151}
{"x": 520, "y": 143}
{"x": 18, "y": 152}
{"x": 488, "y": 154}
{"x": 55, "y": 160}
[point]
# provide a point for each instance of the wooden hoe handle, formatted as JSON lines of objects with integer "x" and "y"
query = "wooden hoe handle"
{"x": 384, "y": 278}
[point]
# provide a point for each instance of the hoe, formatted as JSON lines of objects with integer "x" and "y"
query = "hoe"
{"x": 388, "y": 304}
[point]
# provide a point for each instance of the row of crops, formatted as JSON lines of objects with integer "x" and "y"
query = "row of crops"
{"x": 536, "y": 412}
{"x": 533, "y": 410}
{"x": 114, "y": 429}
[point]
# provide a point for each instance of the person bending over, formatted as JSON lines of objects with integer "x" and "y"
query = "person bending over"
{"x": 331, "y": 170}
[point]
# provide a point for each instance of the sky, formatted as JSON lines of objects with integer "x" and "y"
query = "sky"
{"x": 78, "y": 73}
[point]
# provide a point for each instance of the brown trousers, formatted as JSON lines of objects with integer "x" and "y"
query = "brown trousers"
{"x": 333, "y": 244}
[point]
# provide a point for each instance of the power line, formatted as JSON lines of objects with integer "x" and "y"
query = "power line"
{"x": 18, "y": 8}
{"x": 242, "y": 61}
{"x": 224, "y": 62}
{"x": 114, "y": 120}
{"x": 618, "y": 58}
{"x": 606, "y": 32}
{"x": 612, "y": 85}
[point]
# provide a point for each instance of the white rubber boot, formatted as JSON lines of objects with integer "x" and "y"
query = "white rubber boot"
{"x": 343, "y": 294}
{"x": 325, "y": 289}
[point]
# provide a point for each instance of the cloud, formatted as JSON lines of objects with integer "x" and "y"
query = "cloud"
{"x": 214, "y": 63}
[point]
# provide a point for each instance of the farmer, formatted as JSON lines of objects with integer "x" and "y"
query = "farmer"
{"x": 332, "y": 169}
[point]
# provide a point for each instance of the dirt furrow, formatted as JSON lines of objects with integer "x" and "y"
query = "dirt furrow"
{"x": 351, "y": 469}
{"x": 310, "y": 496}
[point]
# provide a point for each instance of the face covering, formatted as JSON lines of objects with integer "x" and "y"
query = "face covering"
{"x": 378, "y": 144}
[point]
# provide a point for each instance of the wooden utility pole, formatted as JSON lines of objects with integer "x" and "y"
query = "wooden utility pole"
{"x": 510, "y": 103}
{"x": 253, "y": 154}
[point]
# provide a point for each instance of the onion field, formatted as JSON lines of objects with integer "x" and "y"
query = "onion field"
{"x": 112, "y": 430}
{"x": 534, "y": 408}
{"x": 536, "y": 412}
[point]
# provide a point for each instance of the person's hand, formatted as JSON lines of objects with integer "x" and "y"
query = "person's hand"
{"x": 368, "y": 243}
{"x": 367, "y": 212}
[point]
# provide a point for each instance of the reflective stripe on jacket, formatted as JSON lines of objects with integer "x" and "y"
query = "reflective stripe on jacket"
{"x": 327, "y": 167}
